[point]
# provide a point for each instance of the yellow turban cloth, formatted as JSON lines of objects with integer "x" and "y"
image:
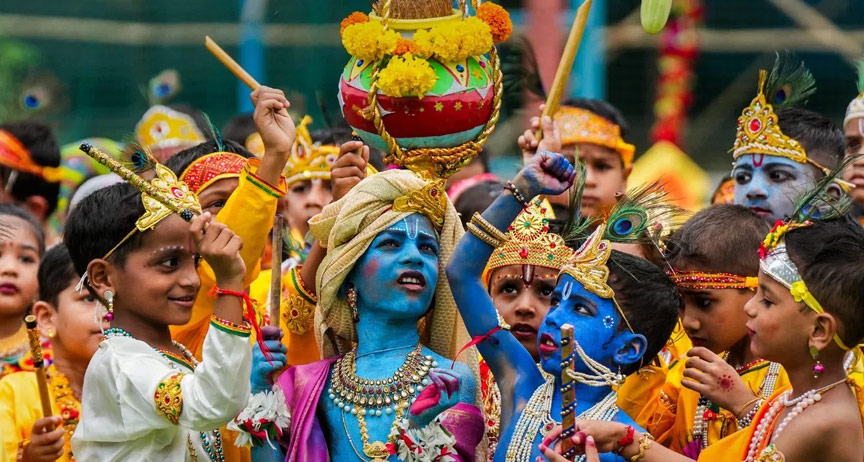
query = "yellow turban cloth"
{"x": 347, "y": 227}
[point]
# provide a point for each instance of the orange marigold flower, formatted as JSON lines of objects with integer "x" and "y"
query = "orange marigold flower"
{"x": 498, "y": 20}
{"x": 353, "y": 18}
{"x": 406, "y": 45}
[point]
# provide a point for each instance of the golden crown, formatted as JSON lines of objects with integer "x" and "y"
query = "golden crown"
{"x": 163, "y": 127}
{"x": 309, "y": 161}
{"x": 430, "y": 200}
{"x": 529, "y": 242}
{"x": 759, "y": 132}
{"x": 176, "y": 191}
{"x": 588, "y": 264}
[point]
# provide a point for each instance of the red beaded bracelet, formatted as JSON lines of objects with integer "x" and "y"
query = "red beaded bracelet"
{"x": 625, "y": 441}
{"x": 248, "y": 315}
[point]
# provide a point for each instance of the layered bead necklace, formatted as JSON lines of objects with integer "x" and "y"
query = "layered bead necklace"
{"x": 211, "y": 441}
{"x": 70, "y": 406}
{"x": 798, "y": 405}
{"x": 367, "y": 397}
{"x": 705, "y": 412}
{"x": 535, "y": 417}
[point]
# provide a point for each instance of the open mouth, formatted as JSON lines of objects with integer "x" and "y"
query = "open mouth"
{"x": 8, "y": 289}
{"x": 412, "y": 280}
{"x": 547, "y": 346}
{"x": 697, "y": 341}
{"x": 523, "y": 331}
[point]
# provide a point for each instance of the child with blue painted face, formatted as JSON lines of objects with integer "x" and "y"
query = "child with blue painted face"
{"x": 622, "y": 309}
{"x": 782, "y": 150}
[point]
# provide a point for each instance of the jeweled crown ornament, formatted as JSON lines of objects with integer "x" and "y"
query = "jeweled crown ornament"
{"x": 309, "y": 160}
{"x": 163, "y": 127}
{"x": 529, "y": 242}
{"x": 424, "y": 83}
{"x": 855, "y": 110}
{"x": 430, "y": 200}
{"x": 579, "y": 125}
{"x": 175, "y": 190}
{"x": 588, "y": 264}
{"x": 758, "y": 132}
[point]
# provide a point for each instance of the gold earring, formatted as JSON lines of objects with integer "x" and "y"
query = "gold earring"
{"x": 109, "y": 299}
{"x": 51, "y": 333}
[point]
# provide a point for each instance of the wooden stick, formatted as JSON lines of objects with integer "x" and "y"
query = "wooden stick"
{"x": 229, "y": 62}
{"x": 38, "y": 364}
{"x": 568, "y": 393}
{"x": 553, "y": 99}
{"x": 276, "y": 270}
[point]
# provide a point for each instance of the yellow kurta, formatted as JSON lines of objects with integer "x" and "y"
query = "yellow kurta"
{"x": 249, "y": 213}
{"x": 639, "y": 396}
{"x": 297, "y": 310}
{"x": 20, "y": 408}
{"x": 673, "y": 421}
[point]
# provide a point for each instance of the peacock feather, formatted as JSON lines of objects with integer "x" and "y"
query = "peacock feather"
{"x": 163, "y": 87}
{"x": 859, "y": 65}
{"x": 827, "y": 200}
{"x": 214, "y": 133}
{"x": 137, "y": 157}
{"x": 790, "y": 83}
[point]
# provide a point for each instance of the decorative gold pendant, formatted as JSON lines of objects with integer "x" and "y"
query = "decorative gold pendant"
{"x": 377, "y": 451}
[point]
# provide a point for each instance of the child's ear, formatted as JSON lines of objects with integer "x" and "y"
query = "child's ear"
{"x": 100, "y": 275}
{"x": 46, "y": 318}
{"x": 632, "y": 348}
{"x": 625, "y": 174}
{"x": 824, "y": 328}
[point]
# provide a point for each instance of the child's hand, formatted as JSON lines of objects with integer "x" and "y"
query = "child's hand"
{"x": 437, "y": 397}
{"x": 545, "y": 173}
{"x": 553, "y": 454}
{"x": 272, "y": 120}
{"x": 716, "y": 380}
{"x": 349, "y": 169}
{"x": 220, "y": 248}
{"x": 46, "y": 440}
{"x": 551, "y": 137}
{"x": 262, "y": 370}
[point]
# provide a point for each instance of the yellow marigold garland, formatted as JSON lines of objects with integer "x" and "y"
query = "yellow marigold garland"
{"x": 369, "y": 41}
{"x": 456, "y": 41}
{"x": 404, "y": 45}
{"x": 498, "y": 20}
{"x": 407, "y": 75}
{"x": 354, "y": 18}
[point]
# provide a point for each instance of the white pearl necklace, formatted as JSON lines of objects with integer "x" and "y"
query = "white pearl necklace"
{"x": 800, "y": 403}
{"x": 602, "y": 376}
{"x": 605, "y": 410}
{"x": 535, "y": 417}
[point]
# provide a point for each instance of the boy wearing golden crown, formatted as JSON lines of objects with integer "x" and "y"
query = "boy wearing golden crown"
{"x": 781, "y": 150}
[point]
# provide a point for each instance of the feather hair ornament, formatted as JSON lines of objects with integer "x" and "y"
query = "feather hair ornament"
{"x": 789, "y": 83}
{"x": 137, "y": 158}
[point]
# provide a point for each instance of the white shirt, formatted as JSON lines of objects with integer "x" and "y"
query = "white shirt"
{"x": 119, "y": 421}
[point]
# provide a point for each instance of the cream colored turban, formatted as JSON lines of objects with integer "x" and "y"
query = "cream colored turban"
{"x": 347, "y": 227}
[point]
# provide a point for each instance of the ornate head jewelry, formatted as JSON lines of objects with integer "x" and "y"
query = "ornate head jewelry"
{"x": 16, "y": 157}
{"x": 855, "y": 110}
{"x": 309, "y": 161}
{"x": 701, "y": 280}
{"x": 588, "y": 264}
{"x": 430, "y": 200}
{"x": 208, "y": 169}
{"x": 163, "y": 127}
{"x": 579, "y": 125}
{"x": 529, "y": 242}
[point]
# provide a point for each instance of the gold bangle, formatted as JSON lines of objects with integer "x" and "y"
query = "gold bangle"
{"x": 496, "y": 233}
{"x": 480, "y": 234}
{"x": 645, "y": 442}
{"x": 744, "y": 408}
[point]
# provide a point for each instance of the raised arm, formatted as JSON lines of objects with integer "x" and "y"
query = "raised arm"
{"x": 546, "y": 173}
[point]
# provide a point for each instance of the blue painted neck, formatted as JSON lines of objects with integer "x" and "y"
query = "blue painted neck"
{"x": 377, "y": 331}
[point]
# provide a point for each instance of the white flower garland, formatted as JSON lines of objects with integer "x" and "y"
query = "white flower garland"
{"x": 265, "y": 417}
{"x": 432, "y": 443}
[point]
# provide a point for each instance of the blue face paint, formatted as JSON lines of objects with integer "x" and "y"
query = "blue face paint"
{"x": 770, "y": 185}
{"x": 594, "y": 320}
{"x": 398, "y": 273}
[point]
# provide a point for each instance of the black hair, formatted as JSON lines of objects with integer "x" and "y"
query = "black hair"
{"x": 650, "y": 301}
{"x": 56, "y": 274}
{"x": 39, "y": 140}
{"x": 179, "y": 162}
{"x": 100, "y": 221}
{"x": 830, "y": 259}
{"x": 603, "y": 109}
{"x": 238, "y": 128}
{"x": 823, "y": 140}
{"x": 719, "y": 239}
{"x": 13, "y": 210}
{"x": 477, "y": 198}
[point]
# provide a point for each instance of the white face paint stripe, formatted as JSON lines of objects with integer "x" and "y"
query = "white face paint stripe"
{"x": 568, "y": 289}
